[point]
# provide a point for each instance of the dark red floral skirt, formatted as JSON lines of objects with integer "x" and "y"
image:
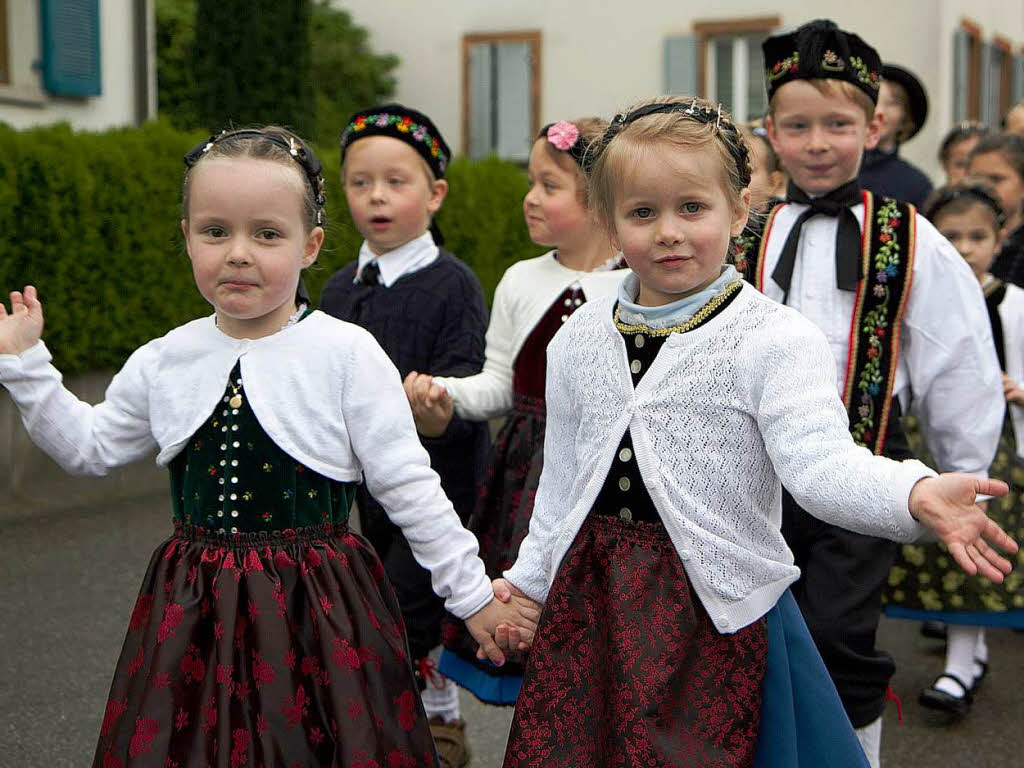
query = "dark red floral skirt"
{"x": 627, "y": 668}
{"x": 501, "y": 518}
{"x": 282, "y": 649}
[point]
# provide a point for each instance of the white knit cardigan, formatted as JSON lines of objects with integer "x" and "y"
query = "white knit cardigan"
{"x": 322, "y": 389}
{"x": 724, "y": 413}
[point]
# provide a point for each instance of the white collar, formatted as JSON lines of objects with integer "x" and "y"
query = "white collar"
{"x": 414, "y": 255}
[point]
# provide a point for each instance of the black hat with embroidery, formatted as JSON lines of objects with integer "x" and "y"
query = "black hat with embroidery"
{"x": 399, "y": 122}
{"x": 820, "y": 50}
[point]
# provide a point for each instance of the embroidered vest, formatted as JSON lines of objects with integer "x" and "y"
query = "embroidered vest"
{"x": 887, "y": 253}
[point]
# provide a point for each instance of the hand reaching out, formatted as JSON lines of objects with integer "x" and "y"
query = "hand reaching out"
{"x": 432, "y": 406}
{"x": 23, "y": 326}
{"x": 946, "y": 504}
{"x": 504, "y": 625}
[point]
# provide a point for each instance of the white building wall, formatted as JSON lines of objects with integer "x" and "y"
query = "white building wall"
{"x": 25, "y": 103}
{"x": 600, "y": 55}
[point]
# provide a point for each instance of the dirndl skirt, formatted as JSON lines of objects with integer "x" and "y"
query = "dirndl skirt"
{"x": 265, "y": 649}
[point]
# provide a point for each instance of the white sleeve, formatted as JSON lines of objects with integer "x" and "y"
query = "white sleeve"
{"x": 806, "y": 433}
{"x": 488, "y": 394}
{"x": 951, "y": 360}
{"x": 397, "y": 471}
{"x": 531, "y": 571}
{"x": 84, "y": 439}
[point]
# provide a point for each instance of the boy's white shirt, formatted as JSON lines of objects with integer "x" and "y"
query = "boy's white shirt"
{"x": 414, "y": 255}
{"x": 322, "y": 389}
{"x": 726, "y": 414}
{"x": 947, "y": 372}
{"x": 523, "y": 296}
{"x": 1011, "y": 315}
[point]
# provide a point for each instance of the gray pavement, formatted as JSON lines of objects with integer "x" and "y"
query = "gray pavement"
{"x": 68, "y": 583}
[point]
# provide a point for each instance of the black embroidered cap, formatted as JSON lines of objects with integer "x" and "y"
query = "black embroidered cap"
{"x": 399, "y": 122}
{"x": 917, "y": 97}
{"x": 820, "y": 50}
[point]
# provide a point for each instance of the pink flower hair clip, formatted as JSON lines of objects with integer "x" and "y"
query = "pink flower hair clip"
{"x": 563, "y": 135}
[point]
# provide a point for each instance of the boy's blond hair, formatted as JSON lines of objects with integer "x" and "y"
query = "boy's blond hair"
{"x": 842, "y": 88}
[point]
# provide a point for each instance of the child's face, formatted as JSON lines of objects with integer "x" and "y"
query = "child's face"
{"x": 390, "y": 195}
{"x": 957, "y": 159}
{"x": 673, "y": 220}
{"x": 891, "y": 100}
{"x": 974, "y": 233}
{"x": 819, "y": 137}
{"x": 763, "y": 183}
{"x": 554, "y": 212}
{"x": 247, "y": 240}
{"x": 1003, "y": 178}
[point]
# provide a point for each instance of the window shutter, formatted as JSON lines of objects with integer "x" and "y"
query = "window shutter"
{"x": 960, "y": 53}
{"x": 1017, "y": 90}
{"x": 71, "y": 47}
{"x": 681, "y": 65}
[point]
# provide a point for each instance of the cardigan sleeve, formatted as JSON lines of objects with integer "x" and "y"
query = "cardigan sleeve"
{"x": 397, "y": 471}
{"x": 488, "y": 394}
{"x": 806, "y": 433}
{"x": 532, "y": 571}
{"x": 84, "y": 439}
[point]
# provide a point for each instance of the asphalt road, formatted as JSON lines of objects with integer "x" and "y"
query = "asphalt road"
{"x": 68, "y": 583}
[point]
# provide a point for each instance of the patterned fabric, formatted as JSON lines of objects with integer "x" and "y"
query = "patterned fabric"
{"x": 627, "y": 668}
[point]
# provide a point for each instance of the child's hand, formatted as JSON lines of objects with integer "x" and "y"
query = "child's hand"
{"x": 521, "y": 614}
{"x": 510, "y": 637}
{"x": 946, "y": 504}
{"x": 432, "y": 406}
{"x": 1012, "y": 391}
{"x": 23, "y": 327}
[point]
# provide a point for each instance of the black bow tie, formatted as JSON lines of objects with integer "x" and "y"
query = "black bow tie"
{"x": 848, "y": 239}
{"x": 370, "y": 274}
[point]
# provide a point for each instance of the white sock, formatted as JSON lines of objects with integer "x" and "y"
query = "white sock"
{"x": 960, "y": 648}
{"x": 870, "y": 738}
{"x": 441, "y": 696}
{"x": 980, "y": 653}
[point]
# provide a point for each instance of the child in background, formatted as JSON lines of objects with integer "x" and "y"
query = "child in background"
{"x": 265, "y": 632}
{"x": 533, "y": 300}
{"x": 925, "y": 583}
{"x": 767, "y": 179}
{"x": 427, "y": 311}
{"x": 999, "y": 160}
{"x": 659, "y": 561}
{"x": 955, "y": 149}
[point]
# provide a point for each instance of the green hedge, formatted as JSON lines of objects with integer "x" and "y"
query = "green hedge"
{"x": 93, "y": 221}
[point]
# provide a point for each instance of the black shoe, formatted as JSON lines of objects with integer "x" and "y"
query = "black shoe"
{"x": 934, "y": 630}
{"x": 983, "y": 665}
{"x": 933, "y": 698}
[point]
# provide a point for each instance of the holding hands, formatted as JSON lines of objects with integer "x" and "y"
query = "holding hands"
{"x": 432, "y": 406}
{"x": 1012, "y": 391}
{"x": 23, "y": 326}
{"x": 508, "y": 622}
{"x": 947, "y": 505}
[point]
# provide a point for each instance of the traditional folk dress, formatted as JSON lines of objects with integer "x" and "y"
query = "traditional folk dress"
{"x": 668, "y": 635}
{"x": 265, "y": 632}
{"x": 531, "y": 303}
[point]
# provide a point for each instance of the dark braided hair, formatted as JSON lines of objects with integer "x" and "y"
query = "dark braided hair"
{"x": 957, "y": 198}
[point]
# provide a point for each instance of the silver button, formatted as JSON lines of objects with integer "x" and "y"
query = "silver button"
{"x": 684, "y": 554}
{"x": 625, "y": 514}
{"x": 223, "y": 447}
{"x": 221, "y": 497}
{"x": 225, "y": 398}
{"x": 220, "y": 513}
{"x": 625, "y": 454}
{"x": 234, "y": 513}
{"x": 639, "y": 340}
{"x": 223, "y": 462}
{"x": 234, "y": 497}
{"x": 234, "y": 411}
{"x": 234, "y": 530}
{"x": 564, "y": 318}
{"x": 635, "y": 366}
{"x": 224, "y": 412}
{"x": 234, "y": 462}
{"x": 236, "y": 444}
{"x": 221, "y": 481}
{"x": 568, "y": 302}
{"x": 234, "y": 479}
{"x": 578, "y": 302}
{"x": 224, "y": 428}
{"x": 234, "y": 427}
{"x": 623, "y": 483}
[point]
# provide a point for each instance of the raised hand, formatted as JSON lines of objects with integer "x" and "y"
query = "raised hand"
{"x": 946, "y": 504}
{"x": 23, "y": 326}
{"x": 432, "y": 406}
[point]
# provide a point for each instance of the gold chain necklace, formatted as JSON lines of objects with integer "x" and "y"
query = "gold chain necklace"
{"x": 698, "y": 318}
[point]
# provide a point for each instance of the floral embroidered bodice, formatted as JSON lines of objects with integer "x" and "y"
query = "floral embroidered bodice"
{"x": 233, "y": 478}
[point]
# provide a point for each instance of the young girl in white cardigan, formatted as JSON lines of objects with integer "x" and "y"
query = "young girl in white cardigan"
{"x": 676, "y": 411}
{"x": 265, "y": 632}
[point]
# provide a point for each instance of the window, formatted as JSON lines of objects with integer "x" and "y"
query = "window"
{"x": 501, "y": 94}
{"x": 1018, "y": 78}
{"x": 968, "y": 67}
{"x": 731, "y": 66}
{"x": 71, "y": 47}
{"x": 5, "y": 74}
{"x": 1000, "y": 81}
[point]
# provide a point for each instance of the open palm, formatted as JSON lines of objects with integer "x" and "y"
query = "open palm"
{"x": 20, "y": 328}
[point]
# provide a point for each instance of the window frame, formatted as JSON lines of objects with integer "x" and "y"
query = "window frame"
{"x": 705, "y": 30}
{"x": 974, "y": 69}
{"x": 5, "y": 50}
{"x": 1005, "y": 101}
{"x": 533, "y": 38}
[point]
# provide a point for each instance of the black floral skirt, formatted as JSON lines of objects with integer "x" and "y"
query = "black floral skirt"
{"x": 279, "y": 649}
{"x": 627, "y": 668}
{"x": 500, "y": 522}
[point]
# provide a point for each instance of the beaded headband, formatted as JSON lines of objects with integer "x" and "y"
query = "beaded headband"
{"x": 402, "y": 123}
{"x": 976, "y": 191}
{"x": 297, "y": 148}
{"x": 699, "y": 113}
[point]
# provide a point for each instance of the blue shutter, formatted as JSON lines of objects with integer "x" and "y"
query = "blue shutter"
{"x": 1018, "y": 79}
{"x": 71, "y": 47}
{"x": 960, "y": 45}
{"x": 681, "y": 65}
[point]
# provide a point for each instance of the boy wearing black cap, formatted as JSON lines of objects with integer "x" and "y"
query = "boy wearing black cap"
{"x": 427, "y": 310}
{"x": 846, "y": 260}
{"x": 903, "y": 106}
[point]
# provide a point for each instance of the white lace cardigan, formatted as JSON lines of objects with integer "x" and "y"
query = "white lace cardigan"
{"x": 322, "y": 389}
{"x": 724, "y": 414}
